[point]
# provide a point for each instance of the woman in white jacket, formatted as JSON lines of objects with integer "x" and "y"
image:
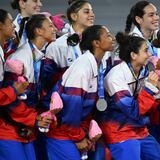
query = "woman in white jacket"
{"x": 39, "y": 30}
{"x": 65, "y": 50}
{"x": 26, "y": 8}
{"x": 144, "y": 16}
{"x": 78, "y": 89}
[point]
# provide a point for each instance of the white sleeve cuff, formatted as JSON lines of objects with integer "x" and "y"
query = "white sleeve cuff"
{"x": 151, "y": 87}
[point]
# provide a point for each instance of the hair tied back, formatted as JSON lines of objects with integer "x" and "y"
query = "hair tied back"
{"x": 70, "y": 2}
{"x": 121, "y": 38}
{"x": 156, "y": 42}
{"x": 73, "y": 39}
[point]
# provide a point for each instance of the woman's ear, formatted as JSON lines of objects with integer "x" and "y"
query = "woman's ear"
{"x": 133, "y": 55}
{"x": 21, "y": 4}
{"x": 138, "y": 19}
{"x": 1, "y": 25}
{"x": 95, "y": 43}
{"x": 74, "y": 17}
{"x": 38, "y": 32}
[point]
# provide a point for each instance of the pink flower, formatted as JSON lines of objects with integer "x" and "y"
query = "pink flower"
{"x": 56, "y": 101}
{"x": 58, "y": 21}
{"x": 15, "y": 66}
{"x": 94, "y": 129}
{"x": 49, "y": 114}
{"x": 55, "y": 104}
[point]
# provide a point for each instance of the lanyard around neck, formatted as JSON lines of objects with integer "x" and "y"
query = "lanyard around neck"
{"x": 36, "y": 64}
{"x": 2, "y": 74}
{"x": 135, "y": 77}
{"x": 101, "y": 103}
{"x": 151, "y": 48}
{"x": 75, "y": 52}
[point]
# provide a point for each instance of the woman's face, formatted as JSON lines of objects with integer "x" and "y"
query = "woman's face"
{"x": 8, "y": 28}
{"x": 106, "y": 40}
{"x": 141, "y": 58}
{"x": 85, "y": 16}
{"x": 30, "y": 7}
{"x": 48, "y": 30}
{"x": 150, "y": 20}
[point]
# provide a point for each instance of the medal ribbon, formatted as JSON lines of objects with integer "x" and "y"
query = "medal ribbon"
{"x": 2, "y": 60}
{"x": 36, "y": 65}
{"x": 152, "y": 49}
{"x": 135, "y": 77}
{"x": 73, "y": 47}
{"x": 75, "y": 52}
{"x": 101, "y": 82}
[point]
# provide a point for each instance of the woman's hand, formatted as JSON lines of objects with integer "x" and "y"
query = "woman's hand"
{"x": 43, "y": 122}
{"x": 153, "y": 78}
{"x": 84, "y": 145}
{"x": 20, "y": 87}
{"x": 56, "y": 110}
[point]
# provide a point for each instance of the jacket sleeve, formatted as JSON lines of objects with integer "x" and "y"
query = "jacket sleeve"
{"x": 134, "y": 108}
{"x": 154, "y": 113}
{"x": 19, "y": 111}
{"x": 7, "y": 96}
{"x": 50, "y": 74}
{"x": 52, "y": 68}
{"x": 146, "y": 101}
{"x": 23, "y": 114}
{"x": 76, "y": 106}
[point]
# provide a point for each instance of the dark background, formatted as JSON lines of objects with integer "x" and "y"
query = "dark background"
{"x": 111, "y": 13}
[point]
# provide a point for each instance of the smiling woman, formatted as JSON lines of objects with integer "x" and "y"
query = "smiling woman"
{"x": 39, "y": 31}
{"x": 11, "y": 144}
{"x": 61, "y": 54}
{"x": 7, "y": 31}
{"x": 144, "y": 15}
{"x": 131, "y": 98}
{"x": 26, "y": 8}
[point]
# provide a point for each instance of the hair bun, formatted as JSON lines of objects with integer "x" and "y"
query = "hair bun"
{"x": 156, "y": 42}
{"x": 71, "y": 1}
{"x": 73, "y": 40}
{"x": 22, "y": 26}
{"x": 121, "y": 37}
{"x": 15, "y": 4}
{"x": 158, "y": 35}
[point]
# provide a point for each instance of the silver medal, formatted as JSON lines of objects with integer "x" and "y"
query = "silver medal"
{"x": 101, "y": 104}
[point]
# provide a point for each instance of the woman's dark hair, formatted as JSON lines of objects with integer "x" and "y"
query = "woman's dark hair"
{"x": 34, "y": 22}
{"x": 156, "y": 42}
{"x": 128, "y": 44}
{"x": 71, "y": 1}
{"x": 74, "y": 7}
{"x": 89, "y": 35}
{"x": 136, "y": 10}
{"x": 15, "y": 4}
{"x": 73, "y": 39}
{"x": 3, "y": 15}
{"x": 22, "y": 26}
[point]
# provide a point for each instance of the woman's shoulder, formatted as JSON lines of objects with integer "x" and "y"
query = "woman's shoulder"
{"x": 60, "y": 43}
{"x": 119, "y": 68}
